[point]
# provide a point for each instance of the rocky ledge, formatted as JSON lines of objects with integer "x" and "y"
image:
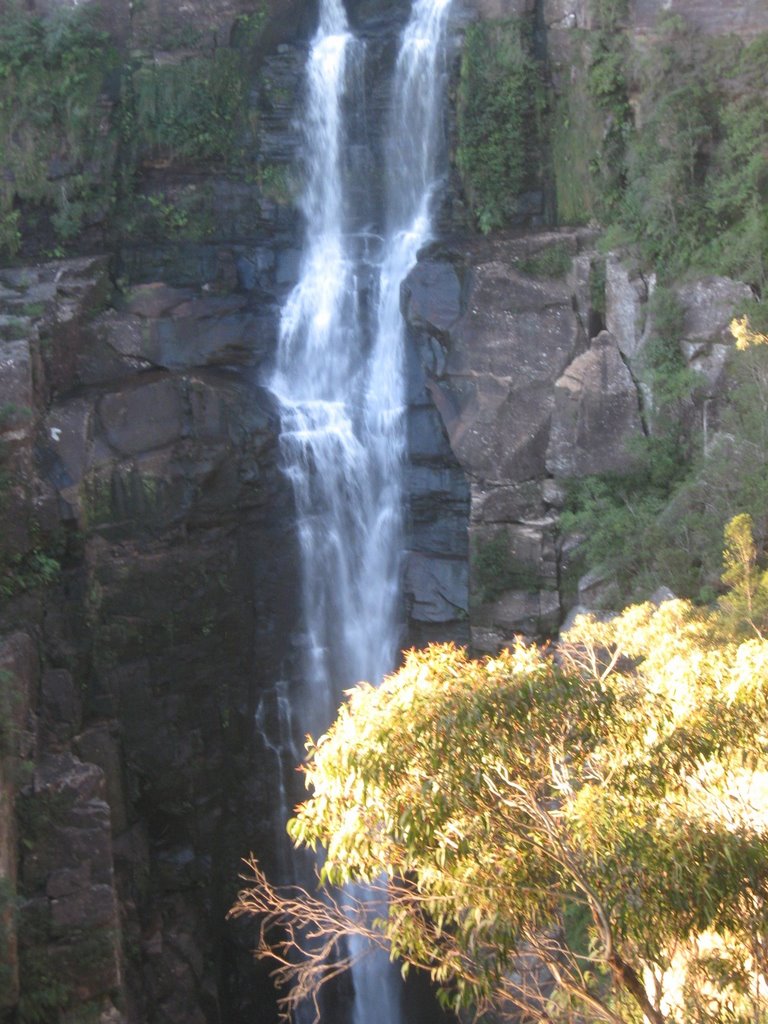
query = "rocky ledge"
{"x": 531, "y": 349}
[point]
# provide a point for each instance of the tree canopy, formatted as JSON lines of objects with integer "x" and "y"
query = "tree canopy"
{"x": 581, "y": 834}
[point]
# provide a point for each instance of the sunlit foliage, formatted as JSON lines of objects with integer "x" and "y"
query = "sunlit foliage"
{"x": 555, "y": 830}
{"x": 746, "y": 336}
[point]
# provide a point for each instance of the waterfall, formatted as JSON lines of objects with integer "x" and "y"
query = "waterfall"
{"x": 340, "y": 377}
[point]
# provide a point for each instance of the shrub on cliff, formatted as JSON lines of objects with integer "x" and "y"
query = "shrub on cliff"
{"x": 500, "y": 96}
{"x": 662, "y": 523}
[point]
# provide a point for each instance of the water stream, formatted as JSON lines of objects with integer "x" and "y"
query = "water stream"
{"x": 340, "y": 374}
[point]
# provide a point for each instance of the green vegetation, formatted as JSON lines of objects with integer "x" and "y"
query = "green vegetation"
{"x": 82, "y": 121}
{"x": 56, "y": 154}
{"x": 249, "y": 27}
{"x": 554, "y": 261}
{"x": 496, "y": 570}
{"x": 682, "y": 175}
{"x": 662, "y": 364}
{"x": 185, "y": 111}
{"x": 662, "y": 523}
{"x": 591, "y": 120}
{"x": 744, "y": 606}
{"x": 575, "y": 129}
{"x": 276, "y": 182}
{"x": 664, "y": 205}
{"x": 26, "y": 571}
{"x": 43, "y": 994}
{"x": 499, "y": 112}
{"x": 600, "y": 819}
{"x": 688, "y": 194}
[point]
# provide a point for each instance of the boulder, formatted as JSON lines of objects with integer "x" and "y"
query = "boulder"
{"x": 596, "y": 413}
{"x": 514, "y": 326}
{"x": 504, "y": 338}
{"x": 501, "y": 433}
{"x": 626, "y": 299}
{"x": 507, "y": 503}
{"x": 142, "y": 418}
{"x": 517, "y": 612}
{"x": 709, "y": 304}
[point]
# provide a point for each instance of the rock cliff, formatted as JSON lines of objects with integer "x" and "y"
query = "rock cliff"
{"x": 148, "y": 617}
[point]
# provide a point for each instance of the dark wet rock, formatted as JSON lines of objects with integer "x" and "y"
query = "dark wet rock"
{"x": 70, "y": 915}
{"x": 437, "y": 572}
{"x": 435, "y": 588}
{"x": 155, "y": 299}
{"x": 100, "y": 745}
{"x": 142, "y": 418}
{"x": 432, "y": 296}
{"x": 60, "y": 706}
{"x": 183, "y": 542}
{"x": 202, "y": 332}
{"x": 19, "y": 675}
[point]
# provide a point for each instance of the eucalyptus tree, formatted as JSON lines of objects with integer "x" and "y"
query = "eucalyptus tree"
{"x": 571, "y": 835}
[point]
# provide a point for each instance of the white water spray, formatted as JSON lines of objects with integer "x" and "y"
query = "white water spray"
{"x": 341, "y": 383}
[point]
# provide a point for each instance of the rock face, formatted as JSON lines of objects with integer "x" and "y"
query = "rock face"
{"x": 494, "y": 341}
{"x": 596, "y": 413}
{"x": 153, "y": 510}
{"x": 533, "y": 392}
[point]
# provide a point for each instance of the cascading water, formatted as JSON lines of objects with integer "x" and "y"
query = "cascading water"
{"x": 340, "y": 378}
